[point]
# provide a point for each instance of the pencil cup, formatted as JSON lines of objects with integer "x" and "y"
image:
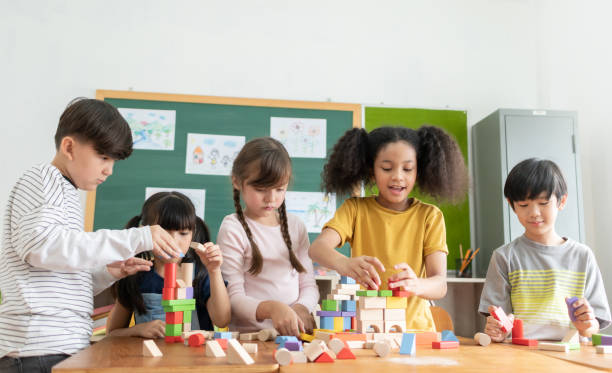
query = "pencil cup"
{"x": 467, "y": 272}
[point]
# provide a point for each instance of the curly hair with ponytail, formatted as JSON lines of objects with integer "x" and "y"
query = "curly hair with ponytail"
{"x": 441, "y": 170}
{"x": 263, "y": 163}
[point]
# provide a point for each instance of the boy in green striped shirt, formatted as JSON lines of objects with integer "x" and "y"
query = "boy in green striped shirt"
{"x": 532, "y": 275}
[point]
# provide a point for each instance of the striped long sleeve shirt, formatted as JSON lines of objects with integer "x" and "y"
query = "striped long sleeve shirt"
{"x": 50, "y": 268}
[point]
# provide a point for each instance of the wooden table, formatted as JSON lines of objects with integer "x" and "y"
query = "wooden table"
{"x": 122, "y": 354}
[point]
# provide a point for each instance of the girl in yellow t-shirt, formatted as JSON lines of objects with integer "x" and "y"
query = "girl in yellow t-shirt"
{"x": 391, "y": 229}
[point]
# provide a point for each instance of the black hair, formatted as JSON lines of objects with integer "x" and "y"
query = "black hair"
{"x": 441, "y": 170}
{"x": 172, "y": 211}
{"x": 533, "y": 176}
{"x": 98, "y": 122}
{"x": 268, "y": 160}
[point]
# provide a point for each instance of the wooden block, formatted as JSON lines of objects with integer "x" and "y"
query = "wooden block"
{"x": 353, "y": 287}
{"x": 345, "y": 354}
{"x": 222, "y": 342}
{"x": 283, "y": 357}
{"x": 186, "y": 274}
{"x": 338, "y": 297}
{"x": 236, "y": 354}
{"x": 524, "y": 342}
{"x": 376, "y": 314}
{"x": 306, "y": 337}
{"x": 325, "y": 357}
{"x": 401, "y": 293}
{"x": 382, "y": 348}
{"x": 324, "y": 336}
{"x": 186, "y": 327}
{"x": 397, "y": 326}
{"x": 570, "y": 308}
{"x": 425, "y": 338}
{"x": 329, "y": 305}
{"x": 408, "y": 346}
{"x": 355, "y": 344}
{"x": 150, "y": 349}
{"x": 482, "y": 339}
{"x": 169, "y": 275}
{"x": 169, "y": 293}
{"x": 174, "y": 330}
{"x": 348, "y": 306}
{"x": 213, "y": 349}
{"x": 224, "y": 335}
{"x": 501, "y": 316}
{"x": 349, "y": 336}
{"x": 396, "y": 302}
{"x": 198, "y": 246}
{"x": 394, "y": 314}
{"x": 517, "y": 329}
{"x": 364, "y": 325}
{"x": 344, "y": 292}
{"x": 373, "y": 302}
{"x": 313, "y": 350}
{"x": 346, "y": 280}
{"x": 174, "y": 317}
{"x": 299, "y": 357}
{"x": 448, "y": 335}
{"x": 553, "y": 346}
{"x": 235, "y": 335}
{"x": 196, "y": 340}
{"x": 173, "y": 339}
{"x": 267, "y": 335}
{"x": 251, "y": 348}
{"x": 181, "y": 293}
{"x": 571, "y": 336}
{"x": 338, "y": 324}
{"x": 180, "y": 283}
{"x": 444, "y": 345}
{"x": 206, "y": 333}
{"x": 385, "y": 293}
{"x": 336, "y": 345}
{"x": 604, "y": 349}
{"x": 369, "y": 345}
{"x": 366, "y": 293}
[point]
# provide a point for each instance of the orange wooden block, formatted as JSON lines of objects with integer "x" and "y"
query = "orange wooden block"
{"x": 345, "y": 353}
{"x": 222, "y": 342}
{"x": 324, "y": 358}
{"x": 351, "y": 336}
{"x": 426, "y": 338}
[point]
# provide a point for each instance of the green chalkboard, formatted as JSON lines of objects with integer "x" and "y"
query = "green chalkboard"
{"x": 457, "y": 217}
{"x": 123, "y": 194}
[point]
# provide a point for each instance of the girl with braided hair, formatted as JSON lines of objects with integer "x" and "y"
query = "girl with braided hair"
{"x": 392, "y": 230}
{"x": 265, "y": 249}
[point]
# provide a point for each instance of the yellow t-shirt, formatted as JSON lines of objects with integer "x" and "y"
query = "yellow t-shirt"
{"x": 394, "y": 237}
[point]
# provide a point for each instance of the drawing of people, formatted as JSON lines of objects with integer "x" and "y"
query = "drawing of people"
{"x": 226, "y": 161}
{"x": 214, "y": 154}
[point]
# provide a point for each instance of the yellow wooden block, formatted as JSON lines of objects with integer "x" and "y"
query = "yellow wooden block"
{"x": 338, "y": 324}
{"x": 397, "y": 302}
{"x": 306, "y": 337}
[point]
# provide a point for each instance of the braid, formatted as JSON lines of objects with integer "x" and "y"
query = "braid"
{"x": 295, "y": 263}
{"x": 257, "y": 260}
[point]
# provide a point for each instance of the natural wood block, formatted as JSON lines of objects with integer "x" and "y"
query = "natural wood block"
{"x": 236, "y": 354}
{"x": 267, "y": 335}
{"x": 283, "y": 357}
{"x": 251, "y": 348}
{"x": 553, "y": 346}
{"x": 382, "y": 348}
{"x": 482, "y": 339}
{"x": 399, "y": 326}
{"x": 213, "y": 349}
{"x": 394, "y": 314}
{"x": 150, "y": 349}
{"x": 373, "y": 302}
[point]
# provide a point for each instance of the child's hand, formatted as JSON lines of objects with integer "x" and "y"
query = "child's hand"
{"x": 363, "y": 270}
{"x": 151, "y": 329}
{"x": 286, "y": 320}
{"x": 164, "y": 245}
{"x": 211, "y": 257}
{"x": 307, "y": 320}
{"x": 406, "y": 279}
{"x": 585, "y": 323}
{"x": 493, "y": 327}
{"x": 128, "y": 267}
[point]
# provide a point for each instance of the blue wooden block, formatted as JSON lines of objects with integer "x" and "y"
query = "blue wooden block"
{"x": 448, "y": 335}
{"x": 570, "y": 308}
{"x": 347, "y": 323}
{"x": 223, "y": 335}
{"x": 347, "y": 280}
{"x": 348, "y": 306}
{"x": 349, "y": 314}
{"x": 408, "y": 344}
{"x": 285, "y": 338}
{"x": 326, "y": 323}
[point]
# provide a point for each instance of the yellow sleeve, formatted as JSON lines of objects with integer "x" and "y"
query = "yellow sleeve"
{"x": 343, "y": 221}
{"x": 435, "y": 233}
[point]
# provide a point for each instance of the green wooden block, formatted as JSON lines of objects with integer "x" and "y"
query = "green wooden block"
{"x": 596, "y": 339}
{"x": 179, "y": 308}
{"x": 385, "y": 293}
{"x": 178, "y": 302}
{"x": 367, "y": 293}
{"x": 186, "y": 316}
{"x": 328, "y": 305}
{"x": 174, "y": 330}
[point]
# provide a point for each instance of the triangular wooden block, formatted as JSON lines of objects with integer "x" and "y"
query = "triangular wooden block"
{"x": 149, "y": 348}
{"x": 324, "y": 358}
{"x": 213, "y": 349}
{"x": 345, "y": 353}
{"x": 571, "y": 337}
{"x": 236, "y": 354}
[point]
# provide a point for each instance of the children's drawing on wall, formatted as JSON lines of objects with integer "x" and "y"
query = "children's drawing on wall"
{"x": 314, "y": 208}
{"x": 211, "y": 154}
{"x": 303, "y": 137}
{"x": 151, "y": 129}
{"x": 197, "y": 197}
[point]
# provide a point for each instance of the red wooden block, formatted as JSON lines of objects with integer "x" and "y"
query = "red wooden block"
{"x": 345, "y": 353}
{"x": 170, "y": 275}
{"x": 196, "y": 340}
{"x": 500, "y": 316}
{"x": 401, "y": 293}
{"x": 174, "y": 317}
{"x": 444, "y": 344}
{"x": 168, "y": 294}
{"x": 517, "y": 329}
{"x": 177, "y": 339}
{"x": 354, "y": 323}
{"x": 324, "y": 358}
{"x": 222, "y": 342}
{"x": 524, "y": 342}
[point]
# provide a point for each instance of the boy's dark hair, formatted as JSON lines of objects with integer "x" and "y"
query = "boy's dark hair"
{"x": 98, "y": 122}
{"x": 531, "y": 177}
{"x": 172, "y": 211}
{"x": 268, "y": 160}
{"x": 441, "y": 170}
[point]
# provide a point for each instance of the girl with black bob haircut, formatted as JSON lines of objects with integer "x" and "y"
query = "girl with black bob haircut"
{"x": 141, "y": 294}
{"x": 392, "y": 230}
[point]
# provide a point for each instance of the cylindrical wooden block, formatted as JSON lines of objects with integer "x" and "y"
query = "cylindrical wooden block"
{"x": 168, "y": 293}
{"x": 169, "y": 275}
{"x": 482, "y": 339}
{"x": 187, "y": 274}
{"x": 517, "y": 329}
{"x": 196, "y": 340}
{"x": 283, "y": 357}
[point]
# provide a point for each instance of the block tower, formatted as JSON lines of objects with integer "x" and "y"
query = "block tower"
{"x": 338, "y": 311}
{"x": 177, "y": 300}
{"x": 382, "y": 310}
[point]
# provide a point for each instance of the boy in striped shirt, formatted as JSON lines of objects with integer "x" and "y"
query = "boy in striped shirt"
{"x": 49, "y": 267}
{"x": 532, "y": 275}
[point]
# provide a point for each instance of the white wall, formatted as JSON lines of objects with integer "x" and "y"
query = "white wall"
{"x": 473, "y": 55}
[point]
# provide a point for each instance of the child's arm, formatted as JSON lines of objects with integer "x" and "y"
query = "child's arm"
{"x": 493, "y": 327}
{"x": 585, "y": 323}
{"x": 309, "y": 292}
{"x": 431, "y": 287}
{"x": 218, "y": 305}
{"x": 362, "y": 268}
{"x": 105, "y": 276}
{"x": 118, "y": 323}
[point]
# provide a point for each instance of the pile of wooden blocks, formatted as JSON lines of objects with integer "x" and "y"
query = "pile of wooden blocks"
{"x": 178, "y": 301}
